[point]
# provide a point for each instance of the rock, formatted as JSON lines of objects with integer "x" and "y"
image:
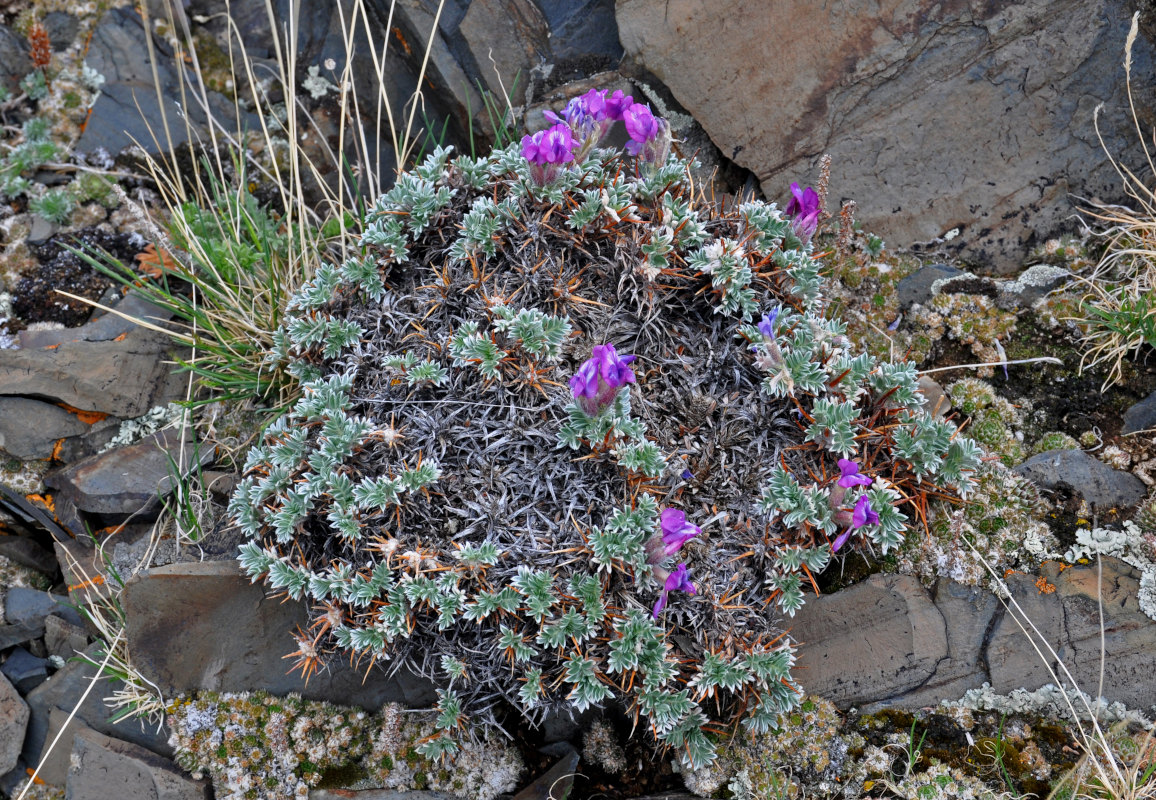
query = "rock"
{"x": 381, "y": 794}
{"x": 27, "y": 552}
{"x": 32, "y": 429}
{"x": 878, "y": 639}
{"x": 1031, "y": 285}
{"x": 585, "y": 32}
{"x": 14, "y": 62}
{"x": 507, "y": 38}
{"x": 85, "y": 572}
{"x": 64, "y": 690}
{"x": 917, "y": 287}
{"x": 25, "y": 670}
{"x": 124, "y": 378}
{"x": 63, "y": 638}
{"x": 128, "y": 105}
{"x": 935, "y": 400}
{"x": 1076, "y": 471}
{"x": 1129, "y": 634}
{"x": 967, "y": 612}
{"x": 42, "y": 230}
{"x": 31, "y": 607}
{"x": 128, "y": 480}
{"x": 61, "y": 27}
{"x": 997, "y": 164}
{"x": 54, "y": 763}
{"x": 18, "y": 634}
{"x": 102, "y": 767}
{"x": 1141, "y": 416}
{"x": 13, "y": 723}
{"x": 557, "y": 782}
{"x": 193, "y": 626}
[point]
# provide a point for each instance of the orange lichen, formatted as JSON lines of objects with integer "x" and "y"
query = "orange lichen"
{"x": 87, "y": 417}
{"x": 42, "y": 500}
{"x": 97, "y": 581}
{"x": 1045, "y": 587}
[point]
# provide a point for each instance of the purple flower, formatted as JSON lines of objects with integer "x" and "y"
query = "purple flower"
{"x": 863, "y": 513}
{"x": 617, "y": 103}
{"x": 547, "y": 151}
{"x": 641, "y": 124}
{"x": 677, "y": 581}
{"x": 849, "y": 475}
{"x": 594, "y": 101}
{"x": 842, "y": 540}
{"x": 767, "y": 324}
{"x": 676, "y": 531}
{"x": 552, "y": 146}
{"x": 598, "y": 380}
{"x": 804, "y": 210}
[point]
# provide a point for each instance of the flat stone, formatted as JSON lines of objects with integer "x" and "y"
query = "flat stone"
{"x": 102, "y": 767}
{"x": 18, "y": 634}
{"x": 854, "y": 85}
{"x": 30, "y": 607}
{"x": 14, "y": 61}
{"x": 27, "y": 552}
{"x": 1077, "y": 472}
{"x": 13, "y": 723}
{"x": 967, "y": 612}
{"x": 61, "y": 27}
{"x": 122, "y": 378}
{"x": 916, "y": 287}
{"x": 1013, "y": 662}
{"x": 1031, "y": 285}
{"x": 873, "y": 641}
{"x": 507, "y": 38}
{"x": 63, "y": 638}
{"x": 382, "y": 794}
{"x": 32, "y": 429}
{"x": 24, "y": 670}
{"x": 42, "y": 230}
{"x": 1142, "y": 416}
{"x": 62, "y": 727}
{"x": 196, "y": 626}
{"x": 64, "y": 690}
{"x": 85, "y": 572}
{"x": 1129, "y": 634}
{"x": 129, "y": 479}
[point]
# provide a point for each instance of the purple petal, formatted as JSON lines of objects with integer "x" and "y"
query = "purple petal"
{"x": 842, "y": 540}
{"x": 850, "y": 475}
{"x": 863, "y": 513}
{"x": 661, "y": 604}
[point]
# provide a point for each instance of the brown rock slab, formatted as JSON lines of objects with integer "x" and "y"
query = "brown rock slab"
{"x": 976, "y": 116}
{"x": 196, "y": 626}
{"x": 1129, "y": 643}
{"x": 129, "y": 479}
{"x": 507, "y": 38}
{"x": 102, "y": 767}
{"x": 123, "y": 378}
{"x": 13, "y": 723}
{"x": 876, "y": 640}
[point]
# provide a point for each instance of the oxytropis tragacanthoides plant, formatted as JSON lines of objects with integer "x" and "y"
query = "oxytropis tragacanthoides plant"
{"x": 572, "y": 435}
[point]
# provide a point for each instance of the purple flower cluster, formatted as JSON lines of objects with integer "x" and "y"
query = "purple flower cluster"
{"x": 597, "y": 381}
{"x": 547, "y": 151}
{"x": 676, "y": 531}
{"x": 586, "y": 120}
{"x": 804, "y": 210}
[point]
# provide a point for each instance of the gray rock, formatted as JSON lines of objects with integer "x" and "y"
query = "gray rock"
{"x": 128, "y": 480}
{"x": 63, "y": 638}
{"x": 379, "y": 794}
{"x": 30, "y": 607}
{"x": 102, "y": 767}
{"x": 878, "y": 639}
{"x": 1141, "y": 416}
{"x": 53, "y": 765}
{"x": 966, "y": 612}
{"x": 998, "y": 162}
{"x": 32, "y": 429}
{"x": 582, "y": 30}
{"x": 28, "y": 552}
{"x": 193, "y": 626}
{"x": 13, "y": 723}
{"x": 506, "y": 38}
{"x": 64, "y": 691}
{"x": 127, "y": 110}
{"x": 61, "y": 28}
{"x": 917, "y": 287}
{"x": 14, "y": 61}
{"x": 25, "y": 670}
{"x": 1076, "y": 471}
{"x": 123, "y": 378}
{"x": 1031, "y": 285}
{"x": 18, "y": 634}
{"x": 42, "y": 230}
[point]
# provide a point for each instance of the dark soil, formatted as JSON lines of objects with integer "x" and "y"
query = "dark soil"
{"x": 35, "y": 298}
